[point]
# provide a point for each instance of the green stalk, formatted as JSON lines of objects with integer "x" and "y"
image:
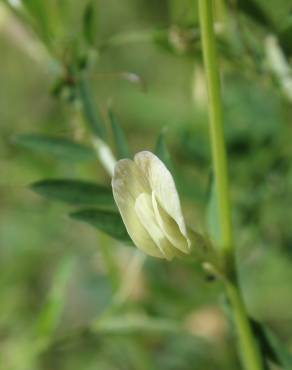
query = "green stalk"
{"x": 248, "y": 347}
{"x": 216, "y": 125}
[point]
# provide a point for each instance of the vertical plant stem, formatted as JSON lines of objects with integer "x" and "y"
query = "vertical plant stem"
{"x": 248, "y": 346}
{"x": 216, "y": 125}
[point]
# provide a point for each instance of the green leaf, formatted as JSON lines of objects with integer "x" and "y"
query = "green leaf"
{"x": 76, "y": 192}
{"x": 90, "y": 112}
{"x": 110, "y": 223}
{"x": 254, "y": 10}
{"x": 50, "y": 314}
{"x": 39, "y": 17}
{"x": 184, "y": 186}
{"x": 162, "y": 152}
{"x": 272, "y": 347}
{"x": 283, "y": 355}
{"x": 89, "y": 24}
{"x": 61, "y": 148}
{"x": 121, "y": 145}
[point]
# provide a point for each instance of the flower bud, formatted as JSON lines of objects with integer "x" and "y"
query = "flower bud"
{"x": 146, "y": 195}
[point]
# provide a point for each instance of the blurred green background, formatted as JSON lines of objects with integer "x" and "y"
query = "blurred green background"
{"x": 71, "y": 297}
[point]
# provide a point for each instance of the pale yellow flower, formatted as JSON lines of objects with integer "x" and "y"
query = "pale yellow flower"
{"x": 146, "y": 195}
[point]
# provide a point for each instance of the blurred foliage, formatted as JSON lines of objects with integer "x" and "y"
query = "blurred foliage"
{"x": 73, "y": 298}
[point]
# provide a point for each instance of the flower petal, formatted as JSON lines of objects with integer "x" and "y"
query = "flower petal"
{"x": 127, "y": 183}
{"x": 145, "y": 212}
{"x": 162, "y": 183}
{"x": 169, "y": 227}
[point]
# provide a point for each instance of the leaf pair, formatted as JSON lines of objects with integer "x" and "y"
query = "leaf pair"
{"x": 102, "y": 213}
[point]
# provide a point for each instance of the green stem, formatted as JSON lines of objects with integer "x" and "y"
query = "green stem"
{"x": 216, "y": 125}
{"x": 249, "y": 350}
{"x": 248, "y": 347}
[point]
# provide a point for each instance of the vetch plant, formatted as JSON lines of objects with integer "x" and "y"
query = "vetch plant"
{"x": 142, "y": 206}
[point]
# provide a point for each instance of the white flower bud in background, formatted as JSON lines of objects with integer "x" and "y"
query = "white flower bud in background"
{"x": 146, "y": 196}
